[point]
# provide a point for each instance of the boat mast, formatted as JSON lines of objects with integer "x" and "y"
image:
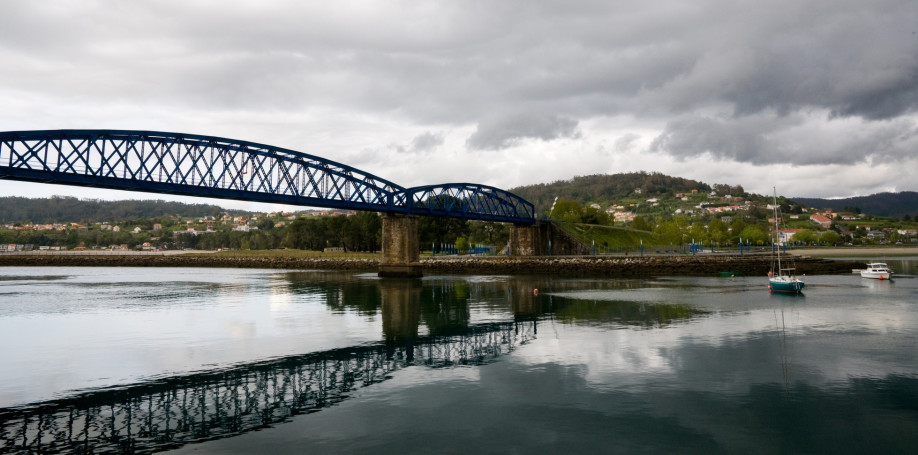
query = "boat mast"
{"x": 775, "y": 208}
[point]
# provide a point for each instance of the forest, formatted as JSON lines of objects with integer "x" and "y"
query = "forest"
{"x": 58, "y": 209}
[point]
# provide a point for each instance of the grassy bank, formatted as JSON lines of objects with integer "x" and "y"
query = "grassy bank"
{"x": 609, "y": 236}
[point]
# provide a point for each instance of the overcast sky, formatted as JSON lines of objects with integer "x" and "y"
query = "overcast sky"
{"x": 818, "y": 98}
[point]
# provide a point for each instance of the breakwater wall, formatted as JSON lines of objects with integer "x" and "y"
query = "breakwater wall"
{"x": 750, "y": 264}
{"x": 636, "y": 266}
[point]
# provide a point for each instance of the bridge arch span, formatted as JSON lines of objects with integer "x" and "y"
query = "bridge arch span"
{"x": 468, "y": 200}
{"x": 191, "y": 165}
{"x": 214, "y": 167}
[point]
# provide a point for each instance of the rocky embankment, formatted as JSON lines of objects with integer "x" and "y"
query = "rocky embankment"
{"x": 188, "y": 260}
{"x": 636, "y": 266}
{"x": 751, "y": 264}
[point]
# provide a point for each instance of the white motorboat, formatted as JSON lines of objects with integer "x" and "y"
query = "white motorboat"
{"x": 877, "y": 270}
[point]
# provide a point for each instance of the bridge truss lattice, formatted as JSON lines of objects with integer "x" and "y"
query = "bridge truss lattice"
{"x": 207, "y": 166}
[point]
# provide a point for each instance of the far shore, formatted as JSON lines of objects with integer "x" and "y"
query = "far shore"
{"x": 856, "y": 252}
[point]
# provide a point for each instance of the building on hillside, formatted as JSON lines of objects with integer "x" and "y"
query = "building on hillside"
{"x": 190, "y": 230}
{"x": 785, "y": 235}
{"x": 821, "y": 220}
{"x": 876, "y": 235}
{"x": 624, "y": 216}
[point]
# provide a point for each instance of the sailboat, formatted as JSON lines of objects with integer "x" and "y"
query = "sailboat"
{"x": 781, "y": 278}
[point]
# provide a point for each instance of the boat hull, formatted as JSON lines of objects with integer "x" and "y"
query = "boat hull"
{"x": 875, "y": 275}
{"x": 793, "y": 286}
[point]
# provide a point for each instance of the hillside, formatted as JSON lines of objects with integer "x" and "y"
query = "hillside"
{"x": 70, "y": 209}
{"x": 605, "y": 189}
{"x": 882, "y": 204}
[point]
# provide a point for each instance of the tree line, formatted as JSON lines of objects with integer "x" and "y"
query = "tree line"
{"x": 359, "y": 232}
{"x": 56, "y": 209}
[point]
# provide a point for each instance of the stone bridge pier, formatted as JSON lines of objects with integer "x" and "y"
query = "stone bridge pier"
{"x": 543, "y": 239}
{"x": 400, "y": 247}
{"x": 530, "y": 240}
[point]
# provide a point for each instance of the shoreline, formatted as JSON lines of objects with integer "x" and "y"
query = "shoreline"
{"x": 856, "y": 252}
{"x": 653, "y": 265}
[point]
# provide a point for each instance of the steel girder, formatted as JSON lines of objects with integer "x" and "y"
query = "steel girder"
{"x": 470, "y": 201}
{"x": 206, "y": 166}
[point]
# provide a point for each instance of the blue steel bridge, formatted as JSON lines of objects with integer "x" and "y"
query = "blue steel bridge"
{"x": 214, "y": 167}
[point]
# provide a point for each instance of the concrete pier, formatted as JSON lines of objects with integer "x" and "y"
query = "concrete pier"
{"x": 400, "y": 248}
{"x": 529, "y": 240}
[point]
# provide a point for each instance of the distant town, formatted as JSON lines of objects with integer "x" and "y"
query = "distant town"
{"x": 661, "y": 211}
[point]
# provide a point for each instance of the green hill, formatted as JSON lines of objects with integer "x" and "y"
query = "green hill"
{"x": 882, "y": 204}
{"x": 604, "y": 189}
{"x": 55, "y": 209}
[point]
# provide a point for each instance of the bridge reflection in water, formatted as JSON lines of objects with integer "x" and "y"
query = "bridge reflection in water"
{"x": 170, "y": 412}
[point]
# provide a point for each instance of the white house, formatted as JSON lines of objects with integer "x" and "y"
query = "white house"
{"x": 785, "y": 235}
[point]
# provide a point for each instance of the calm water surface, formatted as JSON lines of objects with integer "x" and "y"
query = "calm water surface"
{"x": 141, "y": 360}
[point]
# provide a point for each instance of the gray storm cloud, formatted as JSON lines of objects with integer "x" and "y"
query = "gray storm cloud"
{"x": 814, "y": 82}
{"x": 426, "y": 142}
{"x": 768, "y": 139}
{"x": 503, "y": 132}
